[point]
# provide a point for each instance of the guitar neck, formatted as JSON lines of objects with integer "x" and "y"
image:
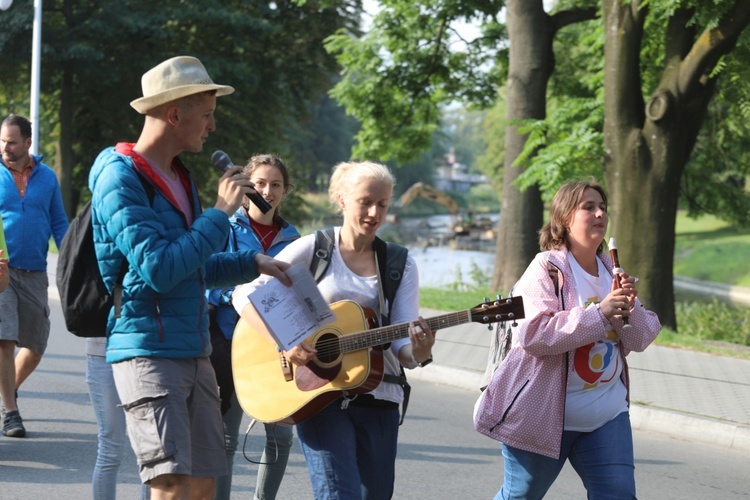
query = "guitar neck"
{"x": 386, "y": 334}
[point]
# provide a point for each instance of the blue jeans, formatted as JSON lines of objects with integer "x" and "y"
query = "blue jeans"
{"x": 351, "y": 453}
{"x": 273, "y": 462}
{"x": 112, "y": 436}
{"x": 602, "y": 458}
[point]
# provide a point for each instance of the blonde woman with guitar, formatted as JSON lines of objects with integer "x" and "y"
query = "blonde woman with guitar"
{"x": 350, "y": 444}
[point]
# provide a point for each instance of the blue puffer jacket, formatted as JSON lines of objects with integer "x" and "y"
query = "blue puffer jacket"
{"x": 242, "y": 237}
{"x": 164, "y": 309}
{"x": 31, "y": 220}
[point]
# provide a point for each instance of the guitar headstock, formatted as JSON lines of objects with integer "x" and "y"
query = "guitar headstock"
{"x": 500, "y": 309}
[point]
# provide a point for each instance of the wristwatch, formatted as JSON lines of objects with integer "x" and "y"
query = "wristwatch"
{"x": 425, "y": 362}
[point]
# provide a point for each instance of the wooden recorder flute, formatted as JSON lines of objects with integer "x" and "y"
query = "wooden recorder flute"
{"x": 617, "y": 269}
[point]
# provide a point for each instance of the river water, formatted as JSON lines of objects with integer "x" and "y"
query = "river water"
{"x": 442, "y": 261}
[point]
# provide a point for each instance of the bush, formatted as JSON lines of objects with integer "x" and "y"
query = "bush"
{"x": 714, "y": 321}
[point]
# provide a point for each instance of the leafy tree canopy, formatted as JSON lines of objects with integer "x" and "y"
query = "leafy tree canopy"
{"x": 411, "y": 61}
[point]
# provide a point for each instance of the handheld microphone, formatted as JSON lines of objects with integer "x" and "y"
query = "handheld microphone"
{"x": 222, "y": 163}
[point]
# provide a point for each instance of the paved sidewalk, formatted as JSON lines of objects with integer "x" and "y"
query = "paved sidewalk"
{"x": 682, "y": 393}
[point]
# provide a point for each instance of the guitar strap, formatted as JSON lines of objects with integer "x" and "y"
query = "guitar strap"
{"x": 390, "y": 257}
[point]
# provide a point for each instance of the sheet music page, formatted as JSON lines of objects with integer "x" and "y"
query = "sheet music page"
{"x": 292, "y": 313}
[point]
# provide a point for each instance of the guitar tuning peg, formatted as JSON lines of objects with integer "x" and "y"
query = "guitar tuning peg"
{"x": 499, "y": 297}
{"x": 486, "y": 300}
{"x": 489, "y": 326}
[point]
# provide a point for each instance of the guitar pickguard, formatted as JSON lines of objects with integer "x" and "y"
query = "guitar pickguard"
{"x": 313, "y": 376}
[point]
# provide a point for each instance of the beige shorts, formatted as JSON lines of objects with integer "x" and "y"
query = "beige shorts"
{"x": 173, "y": 416}
{"x": 24, "y": 310}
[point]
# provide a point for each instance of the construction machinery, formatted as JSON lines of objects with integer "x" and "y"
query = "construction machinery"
{"x": 422, "y": 190}
{"x": 464, "y": 223}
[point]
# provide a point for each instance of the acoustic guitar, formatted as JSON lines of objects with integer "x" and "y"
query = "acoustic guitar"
{"x": 349, "y": 359}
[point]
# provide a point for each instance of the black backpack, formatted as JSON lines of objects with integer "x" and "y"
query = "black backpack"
{"x": 392, "y": 259}
{"x": 84, "y": 298}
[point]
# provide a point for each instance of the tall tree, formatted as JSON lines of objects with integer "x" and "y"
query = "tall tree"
{"x": 648, "y": 141}
{"x": 531, "y": 63}
{"x": 668, "y": 66}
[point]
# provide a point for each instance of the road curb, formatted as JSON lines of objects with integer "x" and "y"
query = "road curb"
{"x": 693, "y": 427}
{"x": 731, "y": 293}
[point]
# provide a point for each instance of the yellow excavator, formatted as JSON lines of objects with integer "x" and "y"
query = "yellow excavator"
{"x": 464, "y": 223}
{"x": 422, "y": 190}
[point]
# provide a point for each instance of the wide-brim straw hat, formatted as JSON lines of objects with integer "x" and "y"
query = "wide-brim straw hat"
{"x": 178, "y": 77}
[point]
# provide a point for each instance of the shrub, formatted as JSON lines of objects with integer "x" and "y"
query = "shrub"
{"x": 714, "y": 321}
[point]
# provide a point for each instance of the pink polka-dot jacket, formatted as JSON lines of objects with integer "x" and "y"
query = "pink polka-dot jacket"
{"x": 524, "y": 404}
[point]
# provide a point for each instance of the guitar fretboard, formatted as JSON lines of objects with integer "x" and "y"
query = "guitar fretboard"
{"x": 385, "y": 334}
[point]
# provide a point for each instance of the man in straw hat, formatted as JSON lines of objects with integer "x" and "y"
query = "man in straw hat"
{"x": 158, "y": 341}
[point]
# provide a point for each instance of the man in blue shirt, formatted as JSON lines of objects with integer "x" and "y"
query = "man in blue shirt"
{"x": 32, "y": 210}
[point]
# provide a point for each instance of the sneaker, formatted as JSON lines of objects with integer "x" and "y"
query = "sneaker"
{"x": 13, "y": 425}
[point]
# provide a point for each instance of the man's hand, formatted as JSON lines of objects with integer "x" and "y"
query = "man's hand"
{"x": 4, "y": 273}
{"x": 232, "y": 187}
{"x": 273, "y": 267}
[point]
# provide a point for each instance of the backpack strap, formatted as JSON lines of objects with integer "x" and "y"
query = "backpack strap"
{"x": 322, "y": 252}
{"x": 117, "y": 289}
{"x": 400, "y": 379}
{"x": 392, "y": 260}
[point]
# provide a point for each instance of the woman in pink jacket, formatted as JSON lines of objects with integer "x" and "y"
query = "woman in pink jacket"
{"x": 562, "y": 393}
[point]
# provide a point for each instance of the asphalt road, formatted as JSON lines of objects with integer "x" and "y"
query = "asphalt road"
{"x": 440, "y": 454}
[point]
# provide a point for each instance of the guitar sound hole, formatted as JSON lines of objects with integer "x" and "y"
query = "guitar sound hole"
{"x": 328, "y": 348}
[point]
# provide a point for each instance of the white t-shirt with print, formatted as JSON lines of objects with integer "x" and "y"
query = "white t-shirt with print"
{"x": 595, "y": 391}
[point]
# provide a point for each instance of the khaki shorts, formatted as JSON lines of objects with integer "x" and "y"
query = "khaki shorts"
{"x": 173, "y": 416}
{"x": 24, "y": 310}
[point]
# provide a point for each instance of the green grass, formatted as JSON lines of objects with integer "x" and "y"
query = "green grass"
{"x": 450, "y": 299}
{"x": 712, "y": 250}
{"x": 670, "y": 338}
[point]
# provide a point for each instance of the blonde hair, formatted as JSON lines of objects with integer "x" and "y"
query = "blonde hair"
{"x": 554, "y": 234}
{"x": 346, "y": 174}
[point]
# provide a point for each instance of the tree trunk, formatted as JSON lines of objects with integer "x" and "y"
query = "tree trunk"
{"x": 647, "y": 145}
{"x": 531, "y": 63}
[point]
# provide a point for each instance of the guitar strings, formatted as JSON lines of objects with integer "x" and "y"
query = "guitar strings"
{"x": 383, "y": 335}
